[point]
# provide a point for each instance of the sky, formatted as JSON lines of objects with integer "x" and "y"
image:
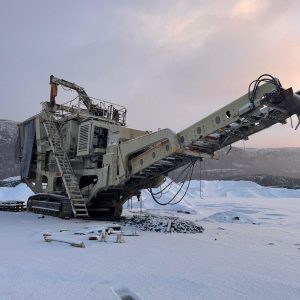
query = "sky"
{"x": 169, "y": 62}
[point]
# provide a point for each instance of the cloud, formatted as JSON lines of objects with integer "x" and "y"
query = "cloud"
{"x": 249, "y": 9}
{"x": 175, "y": 32}
{"x": 169, "y": 62}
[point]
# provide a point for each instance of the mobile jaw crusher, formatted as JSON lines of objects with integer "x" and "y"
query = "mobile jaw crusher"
{"x": 81, "y": 160}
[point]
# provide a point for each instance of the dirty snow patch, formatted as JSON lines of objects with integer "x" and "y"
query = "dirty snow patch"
{"x": 230, "y": 217}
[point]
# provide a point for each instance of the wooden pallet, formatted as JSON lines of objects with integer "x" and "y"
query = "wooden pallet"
{"x": 12, "y": 206}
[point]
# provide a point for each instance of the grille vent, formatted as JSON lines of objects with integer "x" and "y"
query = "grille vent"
{"x": 83, "y": 139}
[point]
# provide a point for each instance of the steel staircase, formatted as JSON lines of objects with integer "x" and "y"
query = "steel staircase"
{"x": 64, "y": 166}
{"x": 161, "y": 168}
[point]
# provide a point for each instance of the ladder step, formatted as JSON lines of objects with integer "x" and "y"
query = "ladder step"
{"x": 73, "y": 186}
{"x": 71, "y": 179}
{"x": 153, "y": 168}
{"x": 151, "y": 173}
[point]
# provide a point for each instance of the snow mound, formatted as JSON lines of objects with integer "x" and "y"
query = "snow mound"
{"x": 21, "y": 192}
{"x": 239, "y": 189}
{"x": 149, "y": 222}
{"x": 209, "y": 189}
{"x": 190, "y": 203}
{"x": 230, "y": 217}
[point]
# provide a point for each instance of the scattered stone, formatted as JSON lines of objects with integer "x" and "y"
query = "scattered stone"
{"x": 271, "y": 244}
{"x": 120, "y": 238}
{"x": 221, "y": 228}
{"x": 183, "y": 212}
{"x": 93, "y": 238}
{"x": 104, "y": 236}
{"x": 74, "y": 243}
{"x": 236, "y": 218}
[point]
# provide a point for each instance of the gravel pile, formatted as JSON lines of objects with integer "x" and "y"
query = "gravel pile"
{"x": 148, "y": 222}
{"x": 9, "y": 182}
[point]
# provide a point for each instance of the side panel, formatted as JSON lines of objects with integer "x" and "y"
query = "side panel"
{"x": 29, "y": 138}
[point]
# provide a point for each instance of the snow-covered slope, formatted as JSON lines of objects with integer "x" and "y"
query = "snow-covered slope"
{"x": 8, "y": 133}
{"x": 269, "y": 167}
{"x": 272, "y": 161}
{"x": 210, "y": 189}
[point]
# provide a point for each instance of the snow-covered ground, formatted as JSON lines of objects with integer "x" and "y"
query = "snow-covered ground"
{"x": 250, "y": 249}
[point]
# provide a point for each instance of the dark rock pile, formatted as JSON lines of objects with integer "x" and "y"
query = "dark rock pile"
{"x": 148, "y": 222}
{"x": 10, "y": 182}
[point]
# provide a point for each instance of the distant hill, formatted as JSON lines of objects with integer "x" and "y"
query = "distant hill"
{"x": 8, "y": 134}
{"x": 269, "y": 167}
